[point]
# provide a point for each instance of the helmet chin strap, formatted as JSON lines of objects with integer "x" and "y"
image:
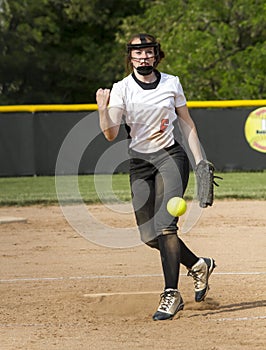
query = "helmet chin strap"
{"x": 144, "y": 70}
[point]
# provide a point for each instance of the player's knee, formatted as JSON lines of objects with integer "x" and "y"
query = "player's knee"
{"x": 153, "y": 243}
{"x": 169, "y": 231}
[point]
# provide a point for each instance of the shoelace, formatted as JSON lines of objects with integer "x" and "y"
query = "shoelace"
{"x": 166, "y": 300}
{"x": 196, "y": 278}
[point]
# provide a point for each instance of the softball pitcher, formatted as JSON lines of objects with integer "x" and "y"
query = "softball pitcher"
{"x": 151, "y": 103}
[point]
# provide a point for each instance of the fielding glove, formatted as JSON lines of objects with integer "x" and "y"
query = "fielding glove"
{"x": 205, "y": 182}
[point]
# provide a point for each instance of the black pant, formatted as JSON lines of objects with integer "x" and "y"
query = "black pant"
{"x": 154, "y": 179}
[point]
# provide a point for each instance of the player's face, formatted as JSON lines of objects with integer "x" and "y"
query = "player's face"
{"x": 142, "y": 57}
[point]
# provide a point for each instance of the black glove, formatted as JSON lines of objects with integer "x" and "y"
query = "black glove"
{"x": 205, "y": 181}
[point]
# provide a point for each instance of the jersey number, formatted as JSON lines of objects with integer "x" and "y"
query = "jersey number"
{"x": 164, "y": 124}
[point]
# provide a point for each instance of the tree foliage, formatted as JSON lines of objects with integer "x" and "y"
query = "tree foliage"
{"x": 218, "y": 48}
{"x": 58, "y": 51}
{"x": 61, "y": 51}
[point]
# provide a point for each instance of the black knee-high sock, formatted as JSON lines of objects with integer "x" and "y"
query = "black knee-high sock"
{"x": 187, "y": 257}
{"x": 170, "y": 257}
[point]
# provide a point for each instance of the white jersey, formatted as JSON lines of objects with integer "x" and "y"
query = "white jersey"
{"x": 149, "y": 113}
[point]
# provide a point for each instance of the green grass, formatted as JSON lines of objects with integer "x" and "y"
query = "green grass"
{"x": 42, "y": 189}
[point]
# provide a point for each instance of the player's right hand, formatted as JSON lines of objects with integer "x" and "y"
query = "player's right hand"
{"x": 102, "y": 98}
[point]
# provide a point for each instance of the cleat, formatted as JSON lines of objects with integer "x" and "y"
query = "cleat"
{"x": 201, "y": 272}
{"x": 171, "y": 302}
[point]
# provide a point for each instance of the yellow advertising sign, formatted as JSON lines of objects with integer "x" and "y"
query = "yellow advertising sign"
{"x": 255, "y": 129}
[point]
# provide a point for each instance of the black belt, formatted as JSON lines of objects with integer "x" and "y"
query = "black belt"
{"x": 136, "y": 154}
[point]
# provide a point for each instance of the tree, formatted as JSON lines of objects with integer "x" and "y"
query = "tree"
{"x": 218, "y": 48}
{"x": 61, "y": 51}
{"x": 58, "y": 51}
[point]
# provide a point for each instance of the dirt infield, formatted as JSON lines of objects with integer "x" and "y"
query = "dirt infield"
{"x": 60, "y": 291}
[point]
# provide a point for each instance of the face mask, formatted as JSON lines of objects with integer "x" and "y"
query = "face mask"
{"x": 144, "y": 70}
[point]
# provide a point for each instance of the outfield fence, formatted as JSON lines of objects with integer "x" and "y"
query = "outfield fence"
{"x": 31, "y": 136}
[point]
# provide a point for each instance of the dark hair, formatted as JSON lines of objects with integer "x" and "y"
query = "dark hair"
{"x": 148, "y": 39}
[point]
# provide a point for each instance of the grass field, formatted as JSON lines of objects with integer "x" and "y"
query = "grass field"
{"x": 42, "y": 190}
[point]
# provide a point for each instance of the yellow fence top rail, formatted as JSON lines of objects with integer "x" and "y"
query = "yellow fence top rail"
{"x": 226, "y": 104}
{"x": 49, "y": 108}
{"x": 93, "y": 107}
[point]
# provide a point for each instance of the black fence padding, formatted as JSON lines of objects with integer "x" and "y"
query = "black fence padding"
{"x": 30, "y": 143}
{"x": 221, "y": 132}
{"x": 17, "y": 144}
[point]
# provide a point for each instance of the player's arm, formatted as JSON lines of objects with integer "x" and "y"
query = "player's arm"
{"x": 110, "y": 119}
{"x": 204, "y": 170}
{"x": 189, "y": 131}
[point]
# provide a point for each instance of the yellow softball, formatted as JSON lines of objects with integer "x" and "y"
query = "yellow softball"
{"x": 176, "y": 206}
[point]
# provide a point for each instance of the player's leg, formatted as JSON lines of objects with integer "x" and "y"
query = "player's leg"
{"x": 199, "y": 268}
{"x": 168, "y": 243}
{"x": 143, "y": 187}
{"x": 187, "y": 256}
{"x": 171, "y": 301}
{"x": 171, "y": 181}
{"x": 143, "y": 197}
{"x": 166, "y": 225}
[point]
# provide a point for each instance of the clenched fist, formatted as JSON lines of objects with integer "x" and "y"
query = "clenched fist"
{"x": 102, "y": 98}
